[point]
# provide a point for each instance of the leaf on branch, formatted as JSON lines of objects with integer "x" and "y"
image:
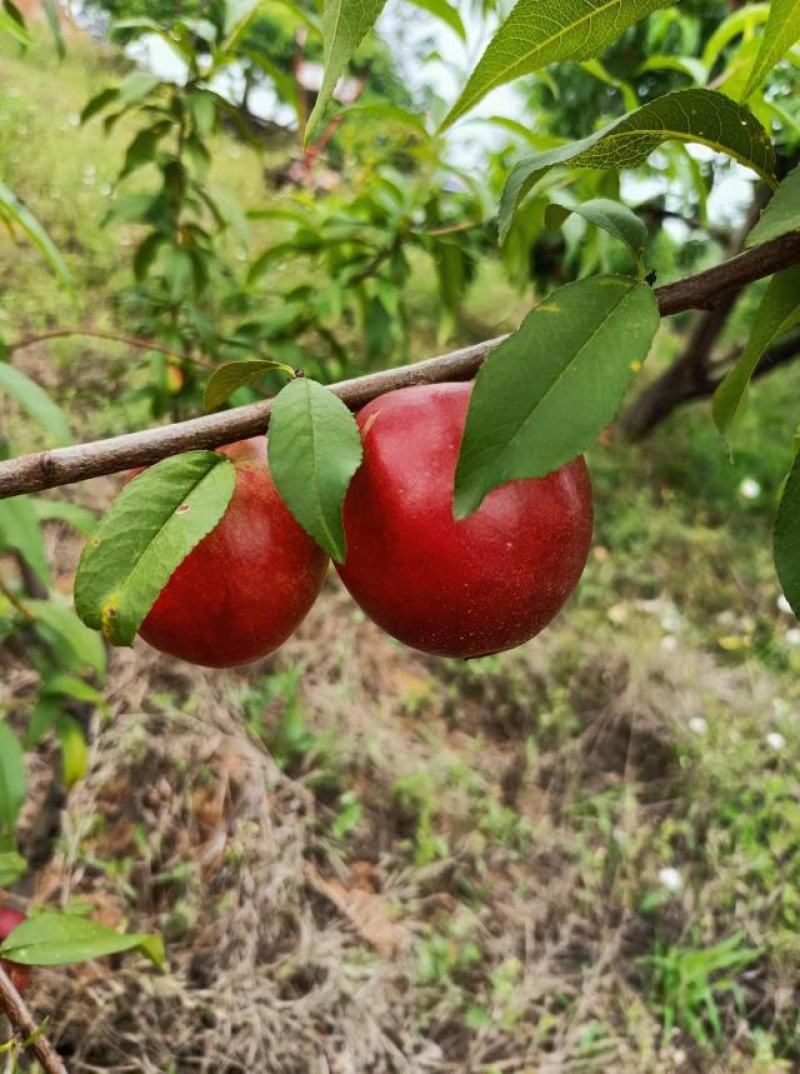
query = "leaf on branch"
{"x": 51, "y": 939}
{"x": 691, "y": 115}
{"x": 19, "y": 532}
{"x": 782, "y": 213}
{"x": 549, "y": 389}
{"x": 36, "y": 402}
{"x": 15, "y": 213}
{"x": 152, "y": 526}
{"x": 446, "y": 13}
{"x": 54, "y": 24}
{"x": 12, "y": 867}
{"x": 314, "y": 450}
{"x": 345, "y": 23}
{"x": 72, "y": 643}
{"x": 694, "y": 69}
{"x": 238, "y": 16}
{"x": 780, "y": 33}
{"x": 232, "y": 375}
{"x": 612, "y": 216}
{"x": 98, "y": 103}
{"x": 80, "y": 518}
{"x": 786, "y": 538}
{"x": 13, "y": 780}
{"x": 74, "y": 750}
{"x": 537, "y": 34}
{"x": 778, "y": 312}
{"x": 15, "y": 27}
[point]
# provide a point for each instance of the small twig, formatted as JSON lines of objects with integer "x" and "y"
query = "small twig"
{"x": 24, "y": 1024}
{"x": 101, "y": 333}
{"x": 62, "y": 466}
{"x": 15, "y": 601}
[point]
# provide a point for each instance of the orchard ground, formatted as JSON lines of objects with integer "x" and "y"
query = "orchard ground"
{"x": 578, "y": 856}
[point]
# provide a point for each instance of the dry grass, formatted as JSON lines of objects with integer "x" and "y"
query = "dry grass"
{"x": 292, "y": 951}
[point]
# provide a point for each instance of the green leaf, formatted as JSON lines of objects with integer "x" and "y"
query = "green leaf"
{"x": 80, "y": 518}
{"x": 536, "y": 34}
{"x": 16, "y": 29}
{"x": 446, "y": 13}
{"x": 74, "y": 750}
{"x": 549, "y": 389}
{"x": 12, "y": 867}
{"x": 203, "y": 110}
{"x": 54, "y": 23}
{"x": 690, "y": 115}
{"x": 780, "y": 33}
{"x": 614, "y": 217}
{"x": 345, "y": 23}
{"x": 60, "y": 627}
{"x": 151, "y": 527}
{"x": 143, "y": 148}
{"x": 628, "y": 93}
{"x": 778, "y": 312}
{"x": 690, "y": 66}
{"x": 133, "y": 209}
{"x": 51, "y": 939}
{"x": 36, "y": 402}
{"x": 178, "y": 272}
{"x": 238, "y": 16}
{"x": 76, "y": 689}
{"x": 19, "y": 532}
{"x": 42, "y": 720}
{"x": 179, "y": 42}
{"x": 13, "y": 780}
{"x": 741, "y": 22}
{"x": 786, "y": 538}
{"x": 99, "y": 102}
{"x": 314, "y": 450}
{"x": 12, "y": 209}
{"x": 782, "y": 213}
{"x": 232, "y": 375}
{"x": 136, "y": 87}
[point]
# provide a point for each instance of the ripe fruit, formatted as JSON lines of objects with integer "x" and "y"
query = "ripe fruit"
{"x": 467, "y": 588}
{"x": 247, "y": 585}
{"x": 20, "y": 975}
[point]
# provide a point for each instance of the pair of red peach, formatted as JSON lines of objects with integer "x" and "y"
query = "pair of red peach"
{"x": 454, "y": 588}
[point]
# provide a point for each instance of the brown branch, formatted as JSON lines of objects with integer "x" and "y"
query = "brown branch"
{"x": 688, "y": 376}
{"x": 62, "y": 466}
{"x": 702, "y": 387}
{"x": 23, "y": 1022}
{"x": 704, "y": 290}
{"x": 101, "y": 333}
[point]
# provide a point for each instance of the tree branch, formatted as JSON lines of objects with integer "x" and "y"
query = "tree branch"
{"x": 703, "y": 291}
{"x": 23, "y": 1022}
{"x": 689, "y": 375}
{"x": 686, "y": 391}
{"x": 101, "y": 333}
{"x": 62, "y": 466}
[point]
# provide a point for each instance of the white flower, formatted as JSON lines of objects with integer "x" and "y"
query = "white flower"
{"x": 671, "y": 622}
{"x": 670, "y": 878}
{"x": 784, "y": 605}
{"x": 775, "y": 740}
{"x": 669, "y": 642}
{"x": 793, "y": 636}
{"x": 698, "y": 725}
{"x": 750, "y": 489}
